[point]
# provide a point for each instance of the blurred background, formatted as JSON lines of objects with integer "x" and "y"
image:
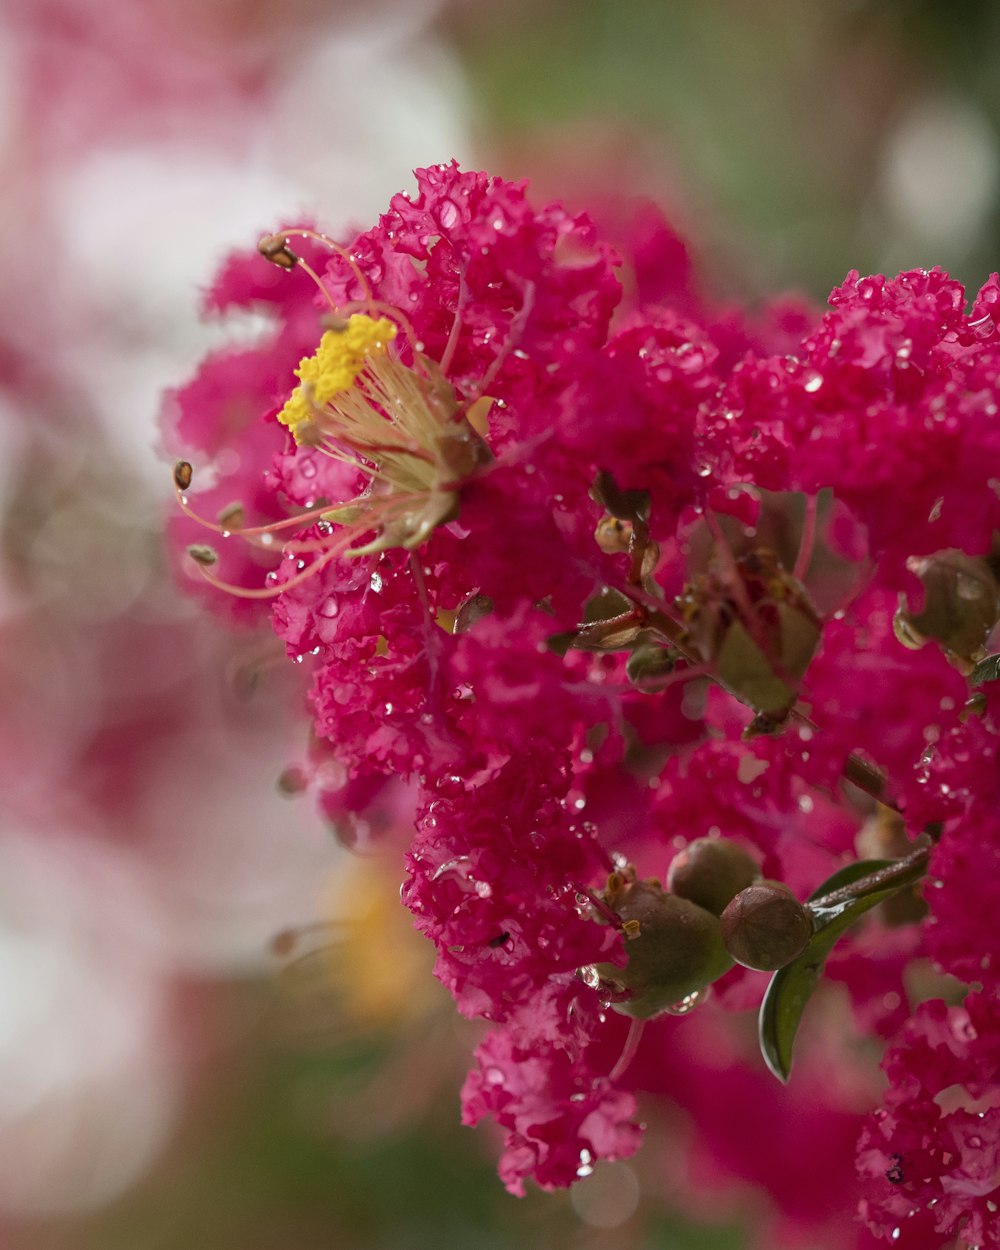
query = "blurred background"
{"x": 170, "y": 1075}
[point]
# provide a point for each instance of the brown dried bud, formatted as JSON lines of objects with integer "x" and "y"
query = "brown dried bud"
{"x": 274, "y": 247}
{"x": 182, "y": 474}
{"x": 674, "y": 949}
{"x": 710, "y": 872}
{"x": 765, "y": 926}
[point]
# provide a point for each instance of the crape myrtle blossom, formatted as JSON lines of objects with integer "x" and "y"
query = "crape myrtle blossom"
{"x": 594, "y": 597}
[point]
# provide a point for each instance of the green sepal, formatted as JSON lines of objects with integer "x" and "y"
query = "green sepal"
{"x": 791, "y": 987}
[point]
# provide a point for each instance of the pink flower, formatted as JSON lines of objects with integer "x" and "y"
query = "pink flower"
{"x": 578, "y": 593}
{"x": 935, "y": 1144}
{"x": 557, "y": 1117}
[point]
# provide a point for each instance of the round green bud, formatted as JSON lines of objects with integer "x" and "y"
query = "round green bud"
{"x": 710, "y": 871}
{"x": 674, "y": 949}
{"x": 765, "y": 926}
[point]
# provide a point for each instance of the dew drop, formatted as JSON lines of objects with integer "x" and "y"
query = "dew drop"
{"x": 448, "y": 214}
{"x": 687, "y": 1004}
{"x": 329, "y": 607}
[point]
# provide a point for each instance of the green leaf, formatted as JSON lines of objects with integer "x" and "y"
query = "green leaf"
{"x": 791, "y": 987}
{"x": 986, "y": 670}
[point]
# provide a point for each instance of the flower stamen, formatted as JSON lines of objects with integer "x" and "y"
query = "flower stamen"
{"x": 354, "y": 395}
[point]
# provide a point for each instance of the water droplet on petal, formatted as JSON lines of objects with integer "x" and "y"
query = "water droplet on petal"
{"x": 448, "y": 214}
{"x": 813, "y": 382}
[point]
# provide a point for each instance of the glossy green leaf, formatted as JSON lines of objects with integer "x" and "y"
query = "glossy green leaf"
{"x": 792, "y": 986}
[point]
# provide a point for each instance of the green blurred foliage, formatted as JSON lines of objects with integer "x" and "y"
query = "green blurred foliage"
{"x": 263, "y": 1161}
{"x": 763, "y": 123}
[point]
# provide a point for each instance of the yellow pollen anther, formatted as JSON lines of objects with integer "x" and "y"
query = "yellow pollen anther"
{"x": 342, "y": 354}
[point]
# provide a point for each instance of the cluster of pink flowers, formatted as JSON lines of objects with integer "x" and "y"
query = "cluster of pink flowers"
{"x": 581, "y": 581}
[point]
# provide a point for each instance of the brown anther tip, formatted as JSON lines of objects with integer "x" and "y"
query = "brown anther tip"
{"x": 183, "y": 472}
{"x": 274, "y": 247}
{"x": 284, "y": 943}
{"x": 335, "y": 322}
{"x": 232, "y": 517}
{"x": 292, "y": 782}
{"x": 204, "y": 555}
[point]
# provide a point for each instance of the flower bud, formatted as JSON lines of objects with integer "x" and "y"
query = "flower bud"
{"x": 765, "y": 926}
{"x": 710, "y": 871}
{"x": 674, "y": 948}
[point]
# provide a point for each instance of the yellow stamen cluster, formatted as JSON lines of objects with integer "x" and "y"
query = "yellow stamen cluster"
{"x": 400, "y": 425}
{"x": 342, "y": 354}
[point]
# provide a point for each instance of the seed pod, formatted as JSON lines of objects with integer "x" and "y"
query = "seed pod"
{"x": 676, "y": 949}
{"x": 765, "y": 926}
{"x": 710, "y": 872}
